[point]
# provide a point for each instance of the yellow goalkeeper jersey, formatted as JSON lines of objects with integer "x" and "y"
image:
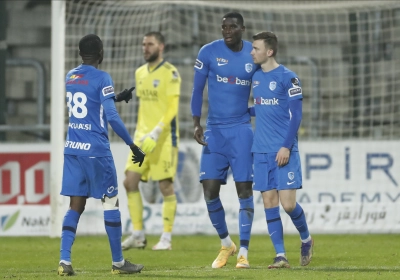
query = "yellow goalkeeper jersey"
{"x": 153, "y": 88}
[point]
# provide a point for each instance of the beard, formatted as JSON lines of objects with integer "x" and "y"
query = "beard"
{"x": 153, "y": 57}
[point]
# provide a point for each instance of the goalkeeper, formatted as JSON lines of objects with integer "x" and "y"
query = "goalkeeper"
{"x": 157, "y": 133}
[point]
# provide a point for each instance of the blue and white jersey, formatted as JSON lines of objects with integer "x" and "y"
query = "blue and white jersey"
{"x": 87, "y": 87}
{"x": 272, "y": 92}
{"x": 229, "y": 82}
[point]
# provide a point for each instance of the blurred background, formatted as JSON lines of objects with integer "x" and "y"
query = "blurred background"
{"x": 346, "y": 53}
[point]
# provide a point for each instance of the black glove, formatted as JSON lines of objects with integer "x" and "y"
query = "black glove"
{"x": 138, "y": 154}
{"x": 124, "y": 95}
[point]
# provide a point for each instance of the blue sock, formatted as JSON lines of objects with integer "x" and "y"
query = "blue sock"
{"x": 275, "y": 228}
{"x": 299, "y": 220}
{"x": 246, "y": 214}
{"x": 216, "y": 213}
{"x": 68, "y": 233}
{"x": 112, "y": 222}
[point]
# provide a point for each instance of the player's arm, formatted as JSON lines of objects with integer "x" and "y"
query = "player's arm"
{"x": 150, "y": 140}
{"x": 124, "y": 95}
{"x": 196, "y": 103}
{"x": 296, "y": 111}
{"x": 252, "y": 111}
{"x": 118, "y": 126}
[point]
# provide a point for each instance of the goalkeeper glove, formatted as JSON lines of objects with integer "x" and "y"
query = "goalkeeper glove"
{"x": 150, "y": 140}
{"x": 124, "y": 95}
{"x": 138, "y": 154}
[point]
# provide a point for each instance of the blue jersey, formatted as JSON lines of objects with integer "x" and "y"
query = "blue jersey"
{"x": 87, "y": 87}
{"x": 272, "y": 92}
{"x": 229, "y": 82}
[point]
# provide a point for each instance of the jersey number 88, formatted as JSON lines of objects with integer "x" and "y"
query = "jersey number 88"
{"x": 76, "y": 104}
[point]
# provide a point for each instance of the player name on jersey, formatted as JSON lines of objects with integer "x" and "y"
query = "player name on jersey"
{"x": 77, "y": 145}
{"x": 86, "y": 126}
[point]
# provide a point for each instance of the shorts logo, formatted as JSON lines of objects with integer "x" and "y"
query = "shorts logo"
{"x": 272, "y": 85}
{"x": 110, "y": 189}
{"x": 108, "y": 90}
{"x": 290, "y": 175}
{"x": 248, "y": 67}
{"x": 156, "y": 83}
{"x": 198, "y": 64}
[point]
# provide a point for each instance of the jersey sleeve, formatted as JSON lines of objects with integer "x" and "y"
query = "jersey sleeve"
{"x": 173, "y": 83}
{"x": 202, "y": 63}
{"x": 293, "y": 86}
{"x": 106, "y": 87}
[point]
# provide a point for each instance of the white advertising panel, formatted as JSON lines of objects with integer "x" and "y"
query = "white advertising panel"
{"x": 348, "y": 187}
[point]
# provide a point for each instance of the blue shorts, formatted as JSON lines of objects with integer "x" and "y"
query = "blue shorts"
{"x": 268, "y": 176}
{"x": 227, "y": 147}
{"x": 89, "y": 177}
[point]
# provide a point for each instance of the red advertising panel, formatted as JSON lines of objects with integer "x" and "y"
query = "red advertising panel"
{"x": 25, "y": 178}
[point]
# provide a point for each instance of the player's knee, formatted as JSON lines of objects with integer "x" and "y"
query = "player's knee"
{"x": 130, "y": 185}
{"x": 245, "y": 193}
{"x": 288, "y": 207}
{"x": 210, "y": 194}
{"x": 110, "y": 203}
{"x": 126, "y": 183}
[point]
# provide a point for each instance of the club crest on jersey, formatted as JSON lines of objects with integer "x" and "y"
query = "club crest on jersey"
{"x": 156, "y": 83}
{"x": 248, "y": 67}
{"x": 272, "y": 85}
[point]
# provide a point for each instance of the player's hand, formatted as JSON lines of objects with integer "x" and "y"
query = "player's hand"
{"x": 282, "y": 157}
{"x": 198, "y": 135}
{"x": 138, "y": 154}
{"x": 149, "y": 143}
{"x": 124, "y": 95}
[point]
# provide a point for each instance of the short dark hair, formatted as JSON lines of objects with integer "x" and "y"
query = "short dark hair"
{"x": 90, "y": 45}
{"x": 235, "y": 15}
{"x": 156, "y": 34}
{"x": 270, "y": 40}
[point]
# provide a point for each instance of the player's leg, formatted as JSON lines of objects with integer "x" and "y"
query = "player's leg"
{"x": 246, "y": 215}
{"x": 133, "y": 174}
{"x": 216, "y": 213}
{"x": 241, "y": 161}
{"x": 275, "y": 228}
{"x": 102, "y": 179}
{"x": 264, "y": 181}
{"x": 168, "y": 214}
{"x": 112, "y": 222}
{"x": 290, "y": 179}
{"x": 213, "y": 172}
{"x": 68, "y": 233}
{"x": 75, "y": 186}
{"x": 163, "y": 165}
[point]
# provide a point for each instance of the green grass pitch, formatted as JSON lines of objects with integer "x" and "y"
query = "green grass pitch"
{"x": 335, "y": 257}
